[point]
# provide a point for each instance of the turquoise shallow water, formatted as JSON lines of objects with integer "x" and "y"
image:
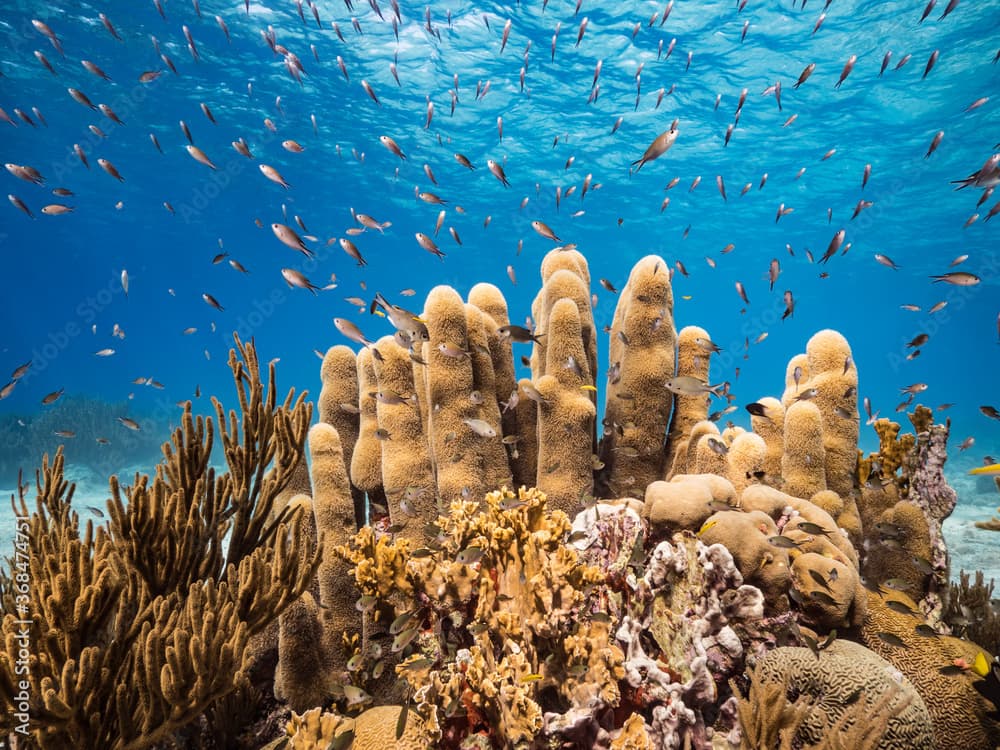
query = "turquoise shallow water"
{"x": 63, "y": 272}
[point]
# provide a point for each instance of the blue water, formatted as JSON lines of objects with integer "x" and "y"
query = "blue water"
{"x": 63, "y": 273}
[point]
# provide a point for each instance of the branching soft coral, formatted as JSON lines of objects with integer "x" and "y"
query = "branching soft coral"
{"x": 138, "y": 626}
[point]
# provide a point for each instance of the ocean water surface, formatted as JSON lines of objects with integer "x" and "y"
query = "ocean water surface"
{"x": 564, "y": 96}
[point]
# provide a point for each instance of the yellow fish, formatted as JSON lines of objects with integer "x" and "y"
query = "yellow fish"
{"x": 531, "y": 677}
{"x": 685, "y": 296}
{"x": 981, "y": 665}
{"x": 990, "y": 470}
{"x": 706, "y": 526}
{"x": 588, "y": 388}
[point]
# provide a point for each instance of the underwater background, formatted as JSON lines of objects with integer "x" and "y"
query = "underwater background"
{"x": 132, "y": 350}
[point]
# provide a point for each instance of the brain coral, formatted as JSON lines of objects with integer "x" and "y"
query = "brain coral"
{"x": 956, "y": 709}
{"x": 836, "y": 678}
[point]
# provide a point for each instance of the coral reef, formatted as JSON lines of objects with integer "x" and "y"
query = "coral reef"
{"x": 463, "y": 562}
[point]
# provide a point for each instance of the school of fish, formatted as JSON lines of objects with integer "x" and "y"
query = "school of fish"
{"x": 452, "y": 140}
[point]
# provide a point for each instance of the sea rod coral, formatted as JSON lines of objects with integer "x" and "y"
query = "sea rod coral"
{"x": 140, "y": 624}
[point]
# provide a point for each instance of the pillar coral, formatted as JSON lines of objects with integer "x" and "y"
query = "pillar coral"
{"x": 495, "y": 469}
{"x": 298, "y": 484}
{"x": 300, "y": 679}
{"x": 698, "y": 431}
{"x": 771, "y": 429}
{"x": 796, "y": 374}
{"x": 638, "y": 405}
{"x": 407, "y": 474}
{"x": 566, "y": 415}
{"x": 524, "y": 450}
{"x": 366, "y": 460}
{"x": 463, "y": 460}
{"x": 692, "y": 361}
{"x": 566, "y": 278}
{"x": 556, "y": 284}
{"x": 338, "y": 406}
{"x": 803, "y": 459}
{"x": 490, "y": 300}
{"x": 333, "y": 509}
{"x": 745, "y": 460}
{"x": 711, "y": 455}
{"x": 833, "y": 374}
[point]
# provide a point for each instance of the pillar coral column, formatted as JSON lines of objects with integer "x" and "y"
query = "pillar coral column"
{"x": 495, "y": 470}
{"x": 638, "y": 405}
{"x": 566, "y": 415}
{"x": 460, "y": 455}
{"x": 692, "y": 361}
{"x": 366, "y": 460}
{"x": 835, "y": 377}
{"x": 407, "y": 474}
{"x": 338, "y": 406}
{"x": 333, "y": 509}
{"x": 803, "y": 460}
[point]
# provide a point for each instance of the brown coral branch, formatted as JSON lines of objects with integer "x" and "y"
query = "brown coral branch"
{"x": 138, "y": 626}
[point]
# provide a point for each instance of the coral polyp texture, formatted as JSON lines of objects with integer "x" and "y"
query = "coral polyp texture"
{"x": 469, "y": 559}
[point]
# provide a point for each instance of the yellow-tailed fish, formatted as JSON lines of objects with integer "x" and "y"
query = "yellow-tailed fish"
{"x": 989, "y": 470}
{"x": 981, "y": 665}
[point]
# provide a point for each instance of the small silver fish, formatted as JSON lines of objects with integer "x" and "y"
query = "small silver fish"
{"x": 481, "y": 427}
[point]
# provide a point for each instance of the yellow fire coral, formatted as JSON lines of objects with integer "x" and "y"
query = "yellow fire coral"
{"x": 501, "y": 617}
